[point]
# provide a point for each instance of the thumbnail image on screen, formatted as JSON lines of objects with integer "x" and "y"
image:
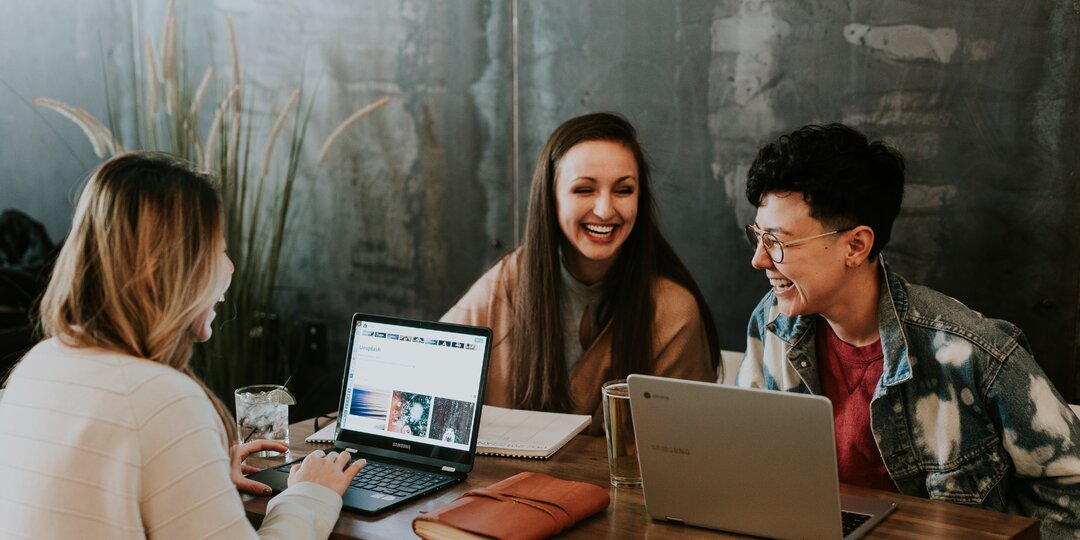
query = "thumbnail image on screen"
{"x": 451, "y": 420}
{"x": 409, "y": 414}
{"x": 370, "y": 405}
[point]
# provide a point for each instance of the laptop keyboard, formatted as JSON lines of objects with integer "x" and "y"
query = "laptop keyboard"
{"x": 390, "y": 479}
{"x": 397, "y": 481}
{"x": 852, "y": 521}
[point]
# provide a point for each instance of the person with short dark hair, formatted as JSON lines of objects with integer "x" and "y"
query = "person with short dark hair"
{"x": 594, "y": 292}
{"x": 930, "y": 398}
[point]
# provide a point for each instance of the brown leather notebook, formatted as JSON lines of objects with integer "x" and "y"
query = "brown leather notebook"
{"x": 525, "y": 506}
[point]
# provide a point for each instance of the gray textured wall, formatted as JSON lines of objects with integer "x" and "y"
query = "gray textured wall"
{"x": 420, "y": 198}
{"x": 52, "y": 48}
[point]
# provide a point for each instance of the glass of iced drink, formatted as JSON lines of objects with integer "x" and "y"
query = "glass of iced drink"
{"x": 262, "y": 412}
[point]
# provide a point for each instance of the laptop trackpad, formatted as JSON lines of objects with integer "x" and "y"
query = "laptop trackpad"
{"x": 365, "y": 500}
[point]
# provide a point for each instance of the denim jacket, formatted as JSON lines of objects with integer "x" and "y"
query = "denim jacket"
{"x": 962, "y": 413}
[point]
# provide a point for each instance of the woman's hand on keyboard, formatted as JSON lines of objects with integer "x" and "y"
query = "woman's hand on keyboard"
{"x": 332, "y": 470}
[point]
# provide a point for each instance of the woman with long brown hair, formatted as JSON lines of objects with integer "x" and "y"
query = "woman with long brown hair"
{"x": 594, "y": 292}
{"x": 106, "y": 431}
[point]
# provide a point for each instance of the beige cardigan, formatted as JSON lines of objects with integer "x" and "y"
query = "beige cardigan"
{"x": 98, "y": 444}
{"x": 681, "y": 348}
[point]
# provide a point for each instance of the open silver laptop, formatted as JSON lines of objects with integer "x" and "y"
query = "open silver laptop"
{"x": 749, "y": 461}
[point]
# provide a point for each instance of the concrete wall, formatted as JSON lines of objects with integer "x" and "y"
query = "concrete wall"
{"x": 57, "y": 49}
{"x": 421, "y": 198}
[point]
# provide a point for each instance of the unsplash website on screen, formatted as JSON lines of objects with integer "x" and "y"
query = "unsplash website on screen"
{"x": 414, "y": 384}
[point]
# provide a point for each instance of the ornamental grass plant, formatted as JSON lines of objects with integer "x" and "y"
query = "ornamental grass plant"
{"x": 256, "y": 190}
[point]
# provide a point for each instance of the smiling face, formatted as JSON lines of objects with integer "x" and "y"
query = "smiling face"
{"x": 813, "y": 276}
{"x": 596, "y": 198}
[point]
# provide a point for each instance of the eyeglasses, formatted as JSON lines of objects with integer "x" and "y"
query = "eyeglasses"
{"x": 774, "y": 247}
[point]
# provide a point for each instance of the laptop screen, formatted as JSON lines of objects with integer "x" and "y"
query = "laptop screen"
{"x": 414, "y": 387}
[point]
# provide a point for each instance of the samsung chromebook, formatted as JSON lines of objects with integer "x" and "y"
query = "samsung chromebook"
{"x": 749, "y": 461}
{"x": 410, "y": 404}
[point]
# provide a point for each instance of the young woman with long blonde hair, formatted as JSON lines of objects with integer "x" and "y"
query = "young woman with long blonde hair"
{"x": 106, "y": 432}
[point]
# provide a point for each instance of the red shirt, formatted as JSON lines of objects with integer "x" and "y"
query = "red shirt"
{"x": 849, "y": 375}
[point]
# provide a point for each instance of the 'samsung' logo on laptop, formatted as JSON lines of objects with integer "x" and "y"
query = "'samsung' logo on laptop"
{"x": 402, "y": 445}
{"x": 670, "y": 449}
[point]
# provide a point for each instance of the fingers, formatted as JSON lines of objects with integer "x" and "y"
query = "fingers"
{"x": 277, "y": 446}
{"x": 342, "y": 460}
{"x": 243, "y": 451}
{"x": 253, "y": 487}
{"x": 334, "y": 470}
{"x": 355, "y": 467}
{"x": 263, "y": 444}
{"x": 248, "y": 469}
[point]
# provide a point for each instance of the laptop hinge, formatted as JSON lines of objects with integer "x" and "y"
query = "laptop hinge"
{"x": 675, "y": 520}
{"x": 449, "y": 469}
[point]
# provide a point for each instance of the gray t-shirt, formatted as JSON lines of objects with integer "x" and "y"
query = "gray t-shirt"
{"x": 574, "y": 298}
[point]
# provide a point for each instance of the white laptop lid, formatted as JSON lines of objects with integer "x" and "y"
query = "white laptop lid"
{"x": 749, "y": 461}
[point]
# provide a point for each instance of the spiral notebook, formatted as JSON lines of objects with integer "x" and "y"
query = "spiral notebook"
{"x": 527, "y": 434}
{"x": 509, "y": 432}
{"x": 325, "y": 435}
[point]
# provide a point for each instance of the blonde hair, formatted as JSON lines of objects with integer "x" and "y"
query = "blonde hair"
{"x": 139, "y": 266}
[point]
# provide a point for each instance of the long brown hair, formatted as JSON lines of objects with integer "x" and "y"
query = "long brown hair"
{"x": 540, "y": 379}
{"x": 139, "y": 266}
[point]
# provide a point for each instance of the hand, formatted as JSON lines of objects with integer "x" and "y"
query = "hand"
{"x": 331, "y": 470}
{"x": 238, "y": 468}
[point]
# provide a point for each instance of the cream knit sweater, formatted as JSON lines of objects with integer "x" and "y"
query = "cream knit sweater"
{"x": 97, "y": 444}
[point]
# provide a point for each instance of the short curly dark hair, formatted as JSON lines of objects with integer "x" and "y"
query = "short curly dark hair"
{"x": 846, "y": 180}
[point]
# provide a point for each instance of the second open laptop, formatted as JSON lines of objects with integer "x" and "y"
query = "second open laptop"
{"x": 410, "y": 404}
{"x": 749, "y": 461}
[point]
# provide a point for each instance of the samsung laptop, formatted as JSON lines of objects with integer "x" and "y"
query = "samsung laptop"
{"x": 410, "y": 404}
{"x": 749, "y": 461}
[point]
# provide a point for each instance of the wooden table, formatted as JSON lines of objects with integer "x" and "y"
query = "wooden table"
{"x": 585, "y": 459}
